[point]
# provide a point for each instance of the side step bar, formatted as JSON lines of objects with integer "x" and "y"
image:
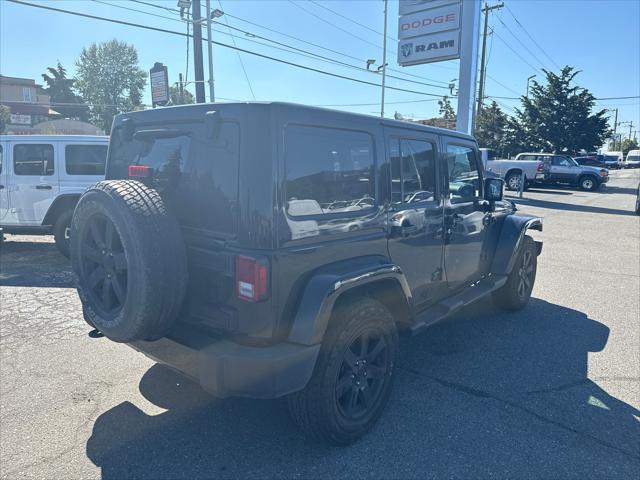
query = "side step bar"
{"x": 450, "y": 305}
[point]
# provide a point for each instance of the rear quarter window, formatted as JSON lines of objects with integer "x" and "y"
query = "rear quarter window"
{"x": 328, "y": 170}
{"x": 85, "y": 159}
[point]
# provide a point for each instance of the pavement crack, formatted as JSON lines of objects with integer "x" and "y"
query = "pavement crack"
{"x": 488, "y": 395}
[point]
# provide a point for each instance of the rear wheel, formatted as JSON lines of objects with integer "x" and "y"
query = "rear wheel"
{"x": 352, "y": 379}
{"x": 515, "y": 294}
{"x": 62, "y": 232}
{"x": 512, "y": 181}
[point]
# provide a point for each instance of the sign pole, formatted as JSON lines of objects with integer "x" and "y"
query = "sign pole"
{"x": 468, "y": 66}
{"x": 384, "y": 59}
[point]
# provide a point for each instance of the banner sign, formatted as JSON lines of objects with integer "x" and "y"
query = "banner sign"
{"x": 429, "y": 21}
{"x": 428, "y": 31}
{"x": 429, "y": 48}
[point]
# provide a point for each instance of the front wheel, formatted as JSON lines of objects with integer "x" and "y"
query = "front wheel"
{"x": 352, "y": 378}
{"x": 588, "y": 184}
{"x": 515, "y": 294}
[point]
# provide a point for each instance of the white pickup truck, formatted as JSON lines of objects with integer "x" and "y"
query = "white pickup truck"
{"x": 511, "y": 169}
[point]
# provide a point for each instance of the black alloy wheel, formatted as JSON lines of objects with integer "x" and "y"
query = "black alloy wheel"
{"x": 362, "y": 375}
{"x": 104, "y": 265}
{"x": 525, "y": 275}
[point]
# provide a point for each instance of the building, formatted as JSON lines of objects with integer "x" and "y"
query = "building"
{"x": 27, "y": 102}
{"x": 31, "y": 111}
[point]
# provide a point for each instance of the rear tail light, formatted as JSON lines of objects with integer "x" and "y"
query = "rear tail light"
{"x": 541, "y": 167}
{"x": 251, "y": 278}
{"x": 139, "y": 171}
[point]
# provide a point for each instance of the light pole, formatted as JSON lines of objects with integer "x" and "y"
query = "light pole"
{"x": 528, "y": 80}
{"x": 211, "y": 14}
{"x": 384, "y": 59}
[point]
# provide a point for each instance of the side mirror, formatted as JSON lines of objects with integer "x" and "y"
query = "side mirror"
{"x": 493, "y": 188}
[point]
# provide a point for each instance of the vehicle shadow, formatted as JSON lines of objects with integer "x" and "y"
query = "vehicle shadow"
{"x": 572, "y": 207}
{"x": 614, "y": 189}
{"x": 34, "y": 264}
{"x": 485, "y": 394}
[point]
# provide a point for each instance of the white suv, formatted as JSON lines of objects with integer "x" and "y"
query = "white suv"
{"x": 42, "y": 178}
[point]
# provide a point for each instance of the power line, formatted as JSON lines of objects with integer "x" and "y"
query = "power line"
{"x": 531, "y": 38}
{"x": 520, "y": 41}
{"x": 334, "y": 25}
{"x": 250, "y": 52}
{"x": 377, "y": 103}
{"x": 246, "y": 76}
{"x": 168, "y": 9}
{"x": 516, "y": 53}
{"x": 304, "y": 53}
{"x": 349, "y": 19}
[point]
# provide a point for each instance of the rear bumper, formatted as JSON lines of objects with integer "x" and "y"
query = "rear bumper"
{"x": 224, "y": 368}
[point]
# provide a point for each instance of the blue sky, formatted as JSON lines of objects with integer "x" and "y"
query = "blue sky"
{"x": 600, "y": 38}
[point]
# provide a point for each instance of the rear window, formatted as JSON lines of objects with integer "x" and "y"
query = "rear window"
{"x": 33, "y": 159}
{"x": 196, "y": 175}
{"x": 85, "y": 159}
{"x": 328, "y": 170}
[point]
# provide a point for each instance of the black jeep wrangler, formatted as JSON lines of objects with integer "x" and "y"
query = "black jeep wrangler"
{"x": 271, "y": 249}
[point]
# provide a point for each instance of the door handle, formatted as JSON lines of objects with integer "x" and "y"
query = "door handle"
{"x": 43, "y": 187}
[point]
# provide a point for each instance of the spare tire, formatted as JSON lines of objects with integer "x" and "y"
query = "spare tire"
{"x": 129, "y": 257}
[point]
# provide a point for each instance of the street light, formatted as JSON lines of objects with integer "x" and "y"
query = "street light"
{"x": 528, "y": 80}
{"x": 211, "y": 14}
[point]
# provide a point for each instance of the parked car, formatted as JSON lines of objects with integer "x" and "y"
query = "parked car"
{"x": 618, "y": 155}
{"x": 562, "y": 169}
{"x": 42, "y": 178}
{"x": 638, "y": 200}
{"x": 511, "y": 169}
{"x": 611, "y": 162}
{"x": 188, "y": 251}
{"x": 633, "y": 159}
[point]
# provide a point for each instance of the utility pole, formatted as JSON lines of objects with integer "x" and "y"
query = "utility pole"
{"x": 212, "y": 97}
{"x": 197, "y": 51}
{"x": 180, "y": 89}
{"x": 615, "y": 129}
{"x": 384, "y": 59}
{"x": 483, "y": 67}
{"x": 630, "y": 128}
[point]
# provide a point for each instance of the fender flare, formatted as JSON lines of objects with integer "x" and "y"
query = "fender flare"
{"x": 55, "y": 208}
{"x": 325, "y": 287}
{"x": 514, "y": 228}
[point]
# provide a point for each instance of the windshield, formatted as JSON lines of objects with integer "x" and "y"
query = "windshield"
{"x": 609, "y": 158}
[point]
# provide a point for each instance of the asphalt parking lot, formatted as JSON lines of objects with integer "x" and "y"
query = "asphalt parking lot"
{"x": 550, "y": 392}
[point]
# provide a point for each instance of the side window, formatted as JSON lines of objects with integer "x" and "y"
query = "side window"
{"x": 328, "y": 170}
{"x": 464, "y": 178}
{"x": 33, "y": 159}
{"x": 0, "y": 158}
{"x": 85, "y": 159}
{"x": 560, "y": 162}
{"x": 413, "y": 171}
{"x": 527, "y": 157}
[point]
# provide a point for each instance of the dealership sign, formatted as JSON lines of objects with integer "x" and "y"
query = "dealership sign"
{"x": 428, "y": 31}
{"x": 159, "y": 77}
{"x": 19, "y": 119}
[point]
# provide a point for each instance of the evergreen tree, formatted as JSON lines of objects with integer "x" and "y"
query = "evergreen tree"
{"x": 557, "y": 117}
{"x": 60, "y": 89}
{"x": 490, "y": 127}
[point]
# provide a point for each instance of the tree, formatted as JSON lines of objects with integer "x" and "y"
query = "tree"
{"x": 447, "y": 118}
{"x": 60, "y": 89}
{"x": 5, "y": 117}
{"x": 629, "y": 144}
{"x": 557, "y": 117}
{"x": 490, "y": 127}
{"x": 109, "y": 78}
{"x": 186, "y": 98}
